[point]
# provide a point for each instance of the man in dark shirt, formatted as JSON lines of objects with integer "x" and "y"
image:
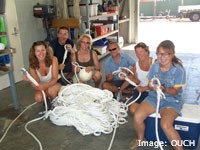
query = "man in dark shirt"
{"x": 58, "y": 46}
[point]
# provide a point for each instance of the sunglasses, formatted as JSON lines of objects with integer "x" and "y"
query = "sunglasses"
{"x": 113, "y": 49}
{"x": 85, "y": 42}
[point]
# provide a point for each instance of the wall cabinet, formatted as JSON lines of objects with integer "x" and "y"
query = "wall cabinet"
{"x": 6, "y": 62}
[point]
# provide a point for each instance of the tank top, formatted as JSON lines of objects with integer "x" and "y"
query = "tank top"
{"x": 85, "y": 64}
{"x": 46, "y": 78}
{"x": 141, "y": 74}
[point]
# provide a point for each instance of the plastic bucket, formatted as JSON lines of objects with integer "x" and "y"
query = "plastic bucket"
{"x": 2, "y": 6}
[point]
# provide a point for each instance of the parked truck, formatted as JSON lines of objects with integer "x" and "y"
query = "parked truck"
{"x": 190, "y": 11}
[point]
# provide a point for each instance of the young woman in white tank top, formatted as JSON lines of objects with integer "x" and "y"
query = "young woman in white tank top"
{"x": 44, "y": 69}
{"x": 140, "y": 70}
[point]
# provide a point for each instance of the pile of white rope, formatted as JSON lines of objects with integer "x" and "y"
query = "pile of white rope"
{"x": 90, "y": 110}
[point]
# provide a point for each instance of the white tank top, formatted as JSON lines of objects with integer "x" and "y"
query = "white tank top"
{"x": 46, "y": 78}
{"x": 141, "y": 74}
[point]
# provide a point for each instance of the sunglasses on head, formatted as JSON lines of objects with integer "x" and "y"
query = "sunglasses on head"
{"x": 113, "y": 49}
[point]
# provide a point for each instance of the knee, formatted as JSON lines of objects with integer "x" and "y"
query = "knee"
{"x": 138, "y": 119}
{"x": 97, "y": 76}
{"x": 105, "y": 85}
{"x": 52, "y": 92}
{"x": 165, "y": 125}
{"x": 132, "y": 111}
{"x": 133, "y": 108}
{"x": 38, "y": 98}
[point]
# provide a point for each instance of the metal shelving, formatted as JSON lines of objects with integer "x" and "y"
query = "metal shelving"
{"x": 9, "y": 72}
{"x": 96, "y": 19}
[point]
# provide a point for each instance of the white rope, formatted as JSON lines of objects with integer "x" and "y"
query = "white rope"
{"x": 63, "y": 62}
{"x": 124, "y": 75}
{"x": 45, "y": 103}
{"x": 114, "y": 132}
{"x": 76, "y": 65}
{"x": 160, "y": 95}
{"x": 120, "y": 69}
{"x": 90, "y": 110}
{"x": 10, "y": 125}
{"x": 23, "y": 70}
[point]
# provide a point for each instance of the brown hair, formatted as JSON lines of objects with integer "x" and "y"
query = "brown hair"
{"x": 62, "y": 28}
{"x": 143, "y": 46}
{"x": 169, "y": 45}
{"x": 33, "y": 61}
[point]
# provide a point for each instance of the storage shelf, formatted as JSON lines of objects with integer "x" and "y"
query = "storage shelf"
{"x": 99, "y": 16}
{"x": 8, "y": 70}
{"x": 105, "y": 35}
{"x": 103, "y": 56}
{"x": 105, "y": 21}
{"x": 5, "y": 52}
{"x": 103, "y": 18}
{"x": 4, "y": 72}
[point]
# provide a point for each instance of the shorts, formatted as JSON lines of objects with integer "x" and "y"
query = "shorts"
{"x": 140, "y": 99}
{"x": 117, "y": 83}
{"x": 62, "y": 81}
{"x": 174, "y": 104}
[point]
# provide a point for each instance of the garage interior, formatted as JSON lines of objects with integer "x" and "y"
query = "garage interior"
{"x": 24, "y": 29}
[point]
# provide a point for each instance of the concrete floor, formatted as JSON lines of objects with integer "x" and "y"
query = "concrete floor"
{"x": 54, "y": 137}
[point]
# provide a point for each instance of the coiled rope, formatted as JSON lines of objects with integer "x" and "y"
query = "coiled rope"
{"x": 122, "y": 74}
{"x": 155, "y": 82}
{"x": 90, "y": 110}
{"x": 76, "y": 65}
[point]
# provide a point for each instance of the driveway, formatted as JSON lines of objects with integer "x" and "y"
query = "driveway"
{"x": 184, "y": 33}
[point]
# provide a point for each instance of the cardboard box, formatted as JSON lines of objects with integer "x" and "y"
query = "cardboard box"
{"x": 188, "y": 126}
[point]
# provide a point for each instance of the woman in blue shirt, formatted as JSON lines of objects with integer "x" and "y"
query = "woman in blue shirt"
{"x": 171, "y": 73}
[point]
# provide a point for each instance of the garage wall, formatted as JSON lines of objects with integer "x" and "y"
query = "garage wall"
{"x": 31, "y": 28}
{"x": 19, "y": 16}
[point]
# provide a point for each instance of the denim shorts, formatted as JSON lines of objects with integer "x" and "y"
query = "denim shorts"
{"x": 176, "y": 105}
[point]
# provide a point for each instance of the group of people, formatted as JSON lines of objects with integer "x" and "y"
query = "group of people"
{"x": 46, "y": 63}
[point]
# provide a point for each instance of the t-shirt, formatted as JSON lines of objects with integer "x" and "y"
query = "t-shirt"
{"x": 59, "y": 52}
{"x": 174, "y": 76}
{"x": 125, "y": 61}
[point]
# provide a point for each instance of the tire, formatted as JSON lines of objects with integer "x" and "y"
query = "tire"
{"x": 194, "y": 17}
